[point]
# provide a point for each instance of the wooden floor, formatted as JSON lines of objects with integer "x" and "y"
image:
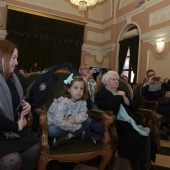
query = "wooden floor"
{"x": 162, "y": 159}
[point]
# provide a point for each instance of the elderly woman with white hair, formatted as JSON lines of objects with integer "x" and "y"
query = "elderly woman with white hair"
{"x": 135, "y": 141}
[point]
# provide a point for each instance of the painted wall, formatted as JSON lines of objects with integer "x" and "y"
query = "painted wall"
{"x": 104, "y": 26}
{"x": 152, "y": 19}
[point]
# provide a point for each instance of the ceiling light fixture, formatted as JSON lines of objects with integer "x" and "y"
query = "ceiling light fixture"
{"x": 83, "y": 4}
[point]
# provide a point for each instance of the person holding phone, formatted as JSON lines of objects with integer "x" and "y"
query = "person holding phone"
{"x": 87, "y": 74}
{"x": 19, "y": 148}
{"x": 154, "y": 89}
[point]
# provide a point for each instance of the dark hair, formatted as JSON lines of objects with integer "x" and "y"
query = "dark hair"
{"x": 68, "y": 86}
{"x": 168, "y": 82}
{"x": 148, "y": 71}
{"x": 6, "y": 50}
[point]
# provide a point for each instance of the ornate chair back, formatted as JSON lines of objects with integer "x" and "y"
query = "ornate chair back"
{"x": 75, "y": 150}
{"x": 31, "y": 78}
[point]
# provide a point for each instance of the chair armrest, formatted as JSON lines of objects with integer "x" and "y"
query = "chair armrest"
{"x": 101, "y": 114}
{"x": 145, "y": 101}
{"x": 110, "y": 122}
{"x": 155, "y": 103}
{"x": 44, "y": 131}
{"x": 147, "y": 115}
{"x": 153, "y": 120}
{"x": 29, "y": 120}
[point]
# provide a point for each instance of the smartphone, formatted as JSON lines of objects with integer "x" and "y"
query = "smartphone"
{"x": 98, "y": 70}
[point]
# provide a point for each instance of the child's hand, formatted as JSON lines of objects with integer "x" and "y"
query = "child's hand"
{"x": 71, "y": 120}
{"x": 26, "y": 108}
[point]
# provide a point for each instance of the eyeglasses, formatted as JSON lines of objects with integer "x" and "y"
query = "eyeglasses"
{"x": 151, "y": 75}
{"x": 85, "y": 68}
{"x": 113, "y": 79}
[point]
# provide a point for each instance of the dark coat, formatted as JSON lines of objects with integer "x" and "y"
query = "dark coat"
{"x": 155, "y": 95}
{"x": 129, "y": 140}
{"x": 26, "y": 138}
{"x": 164, "y": 102}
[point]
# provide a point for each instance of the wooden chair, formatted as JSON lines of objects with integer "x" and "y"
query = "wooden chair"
{"x": 155, "y": 105}
{"x": 31, "y": 77}
{"x": 125, "y": 86}
{"x": 122, "y": 85}
{"x": 75, "y": 150}
{"x": 136, "y": 94}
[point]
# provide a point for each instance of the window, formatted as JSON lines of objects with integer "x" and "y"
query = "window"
{"x": 127, "y": 68}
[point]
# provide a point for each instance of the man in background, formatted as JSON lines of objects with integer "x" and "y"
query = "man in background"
{"x": 154, "y": 89}
{"x": 35, "y": 68}
{"x": 87, "y": 74}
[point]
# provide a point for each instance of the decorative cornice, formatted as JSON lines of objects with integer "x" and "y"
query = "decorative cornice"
{"x": 99, "y": 37}
{"x": 3, "y": 4}
{"x": 159, "y": 16}
{"x": 152, "y": 37}
{"x": 139, "y": 10}
{"x": 93, "y": 25}
{"x": 51, "y": 7}
{"x": 99, "y": 52}
{"x": 3, "y": 33}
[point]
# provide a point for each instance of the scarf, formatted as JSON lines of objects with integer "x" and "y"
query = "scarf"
{"x": 6, "y": 98}
{"x": 6, "y": 107}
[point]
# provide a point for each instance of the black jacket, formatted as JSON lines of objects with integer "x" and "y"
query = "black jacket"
{"x": 155, "y": 95}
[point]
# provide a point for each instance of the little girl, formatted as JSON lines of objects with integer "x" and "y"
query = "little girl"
{"x": 67, "y": 117}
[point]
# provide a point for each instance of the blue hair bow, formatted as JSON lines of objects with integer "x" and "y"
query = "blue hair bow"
{"x": 69, "y": 79}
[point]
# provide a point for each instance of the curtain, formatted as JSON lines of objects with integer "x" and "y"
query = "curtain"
{"x": 122, "y": 54}
{"x": 133, "y": 44}
{"x": 44, "y": 40}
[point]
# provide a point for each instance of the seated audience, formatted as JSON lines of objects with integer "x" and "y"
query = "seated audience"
{"x": 167, "y": 93}
{"x": 19, "y": 148}
{"x": 166, "y": 80}
{"x": 67, "y": 116}
{"x": 87, "y": 74}
{"x": 135, "y": 141}
{"x": 154, "y": 89}
{"x": 125, "y": 77}
{"x": 35, "y": 68}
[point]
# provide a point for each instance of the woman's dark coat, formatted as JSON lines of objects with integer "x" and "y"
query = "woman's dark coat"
{"x": 129, "y": 140}
{"x": 11, "y": 97}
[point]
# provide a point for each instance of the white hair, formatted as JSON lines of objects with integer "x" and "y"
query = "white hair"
{"x": 107, "y": 75}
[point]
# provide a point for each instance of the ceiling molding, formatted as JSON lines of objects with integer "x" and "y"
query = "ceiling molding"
{"x": 52, "y": 8}
{"x": 99, "y": 52}
{"x": 137, "y": 11}
{"x": 99, "y": 37}
{"x": 152, "y": 37}
{"x": 93, "y": 25}
{"x": 40, "y": 13}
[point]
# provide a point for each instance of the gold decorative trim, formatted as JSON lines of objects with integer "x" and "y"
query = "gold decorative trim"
{"x": 44, "y": 15}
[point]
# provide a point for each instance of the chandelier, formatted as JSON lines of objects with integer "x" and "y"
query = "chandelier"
{"x": 83, "y": 4}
